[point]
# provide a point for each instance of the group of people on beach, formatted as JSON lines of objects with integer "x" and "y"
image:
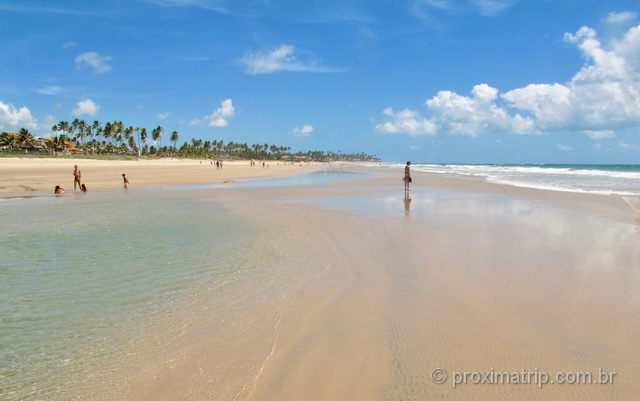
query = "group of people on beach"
{"x": 77, "y": 182}
{"x": 77, "y": 178}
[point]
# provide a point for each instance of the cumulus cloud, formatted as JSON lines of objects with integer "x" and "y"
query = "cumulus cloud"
{"x": 95, "y": 61}
{"x": 604, "y": 95}
{"x": 86, "y": 107}
{"x": 220, "y": 116}
{"x": 282, "y": 58}
{"x": 305, "y": 130}
{"x": 12, "y": 118}
{"x": 163, "y": 116}
{"x": 473, "y": 115}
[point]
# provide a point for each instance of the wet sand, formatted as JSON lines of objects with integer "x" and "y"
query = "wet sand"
{"x": 357, "y": 293}
{"x": 374, "y": 300}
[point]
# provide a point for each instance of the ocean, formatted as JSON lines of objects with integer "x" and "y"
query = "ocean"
{"x": 609, "y": 179}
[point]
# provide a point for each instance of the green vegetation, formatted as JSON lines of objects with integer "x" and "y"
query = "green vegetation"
{"x": 80, "y": 138}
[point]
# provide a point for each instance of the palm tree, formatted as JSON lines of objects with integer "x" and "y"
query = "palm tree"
{"x": 58, "y": 144}
{"x": 80, "y": 126}
{"x": 7, "y": 139}
{"x": 142, "y": 138}
{"x": 97, "y": 128}
{"x": 108, "y": 130}
{"x": 63, "y": 127}
{"x": 74, "y": 128}
{"x": 175, "y": 137}
{"x": 25, "y": 139}
{"x": 132, "y": 144}
{"x": 119, "y": 132}
{"x": 156, "y": 135}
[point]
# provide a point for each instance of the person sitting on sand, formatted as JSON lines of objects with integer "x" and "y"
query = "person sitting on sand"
{"x": 77, "y": 175}
{"x": 126, "y": 182}
{"x": 59, "y": 190}
{"x": 407, "y": 176}
{"x": 83, "y": 188}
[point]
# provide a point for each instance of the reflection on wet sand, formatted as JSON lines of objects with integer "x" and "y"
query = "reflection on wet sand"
{"x": 407, "y": 202}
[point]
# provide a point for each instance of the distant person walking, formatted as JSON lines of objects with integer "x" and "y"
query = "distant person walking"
{"x": 125, "y": 181}
{"x": 407, "y": 176}
{"x": 77, "y": 176}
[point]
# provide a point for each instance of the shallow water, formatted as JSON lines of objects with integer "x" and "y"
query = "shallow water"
{"x": 89, "y": 281}
{"x": 82, "y": 276}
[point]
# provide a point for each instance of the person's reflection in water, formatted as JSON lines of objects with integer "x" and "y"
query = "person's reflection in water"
{"x": 407, "y": 202}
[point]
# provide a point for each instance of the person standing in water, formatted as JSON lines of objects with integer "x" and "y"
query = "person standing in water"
{"x": 77, "y": 176}
{"x": 407, "y": 176}
{"x": 125, "y": 181}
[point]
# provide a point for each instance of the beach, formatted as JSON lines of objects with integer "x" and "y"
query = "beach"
{"x": 343, "y": 287}
{"x": 24, "y": 175}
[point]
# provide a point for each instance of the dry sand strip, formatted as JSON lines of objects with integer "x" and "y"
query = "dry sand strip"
{"x": 28, "y": 175}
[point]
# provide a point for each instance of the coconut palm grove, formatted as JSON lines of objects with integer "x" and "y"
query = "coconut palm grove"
{"x": 80, "y": 137}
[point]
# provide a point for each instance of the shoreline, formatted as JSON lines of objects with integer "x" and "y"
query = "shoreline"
{"x": 615, "y": 206}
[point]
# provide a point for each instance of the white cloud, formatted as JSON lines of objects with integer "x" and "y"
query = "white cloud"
{"x": 407, "y": 122}
{"x": 306, "y": 130}
{"x": 604, "y": 95}
{"x": 473, "y": 115}
{"x": 550, "y": 104}
{"x": 605, "y": 65}
{"x": 486, "y": 8}
{"x": 95, "y": 61}
{"x": 50, "y": 90}
{"x": 624, "y": 17}
{"x": 86, "y": 107}
{"x": 163, "y": 116}
{"x": 220, "y": 117}
{"x": 492, "y": 7}
{"x": 599, "y": 134}
{"x": 625, "y": 146}
{"x": 281, "y": 59}
{"x": 564, "y": 148}
{"x": 12, "y": 118}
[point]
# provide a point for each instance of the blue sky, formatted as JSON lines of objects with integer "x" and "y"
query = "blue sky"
{"x": 467, "y": 81}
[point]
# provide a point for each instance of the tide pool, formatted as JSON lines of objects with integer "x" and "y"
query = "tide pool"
{"x": 82, "y": 277}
